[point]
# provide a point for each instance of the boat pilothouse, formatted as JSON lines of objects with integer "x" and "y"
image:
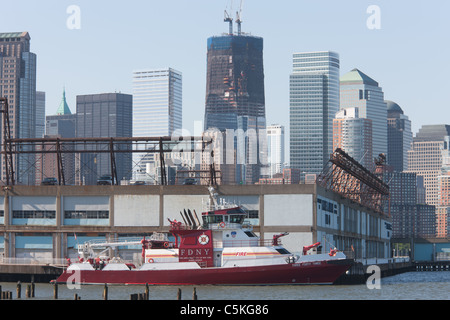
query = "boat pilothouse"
{"x": 219, "y": 248}
{"x": 223, "y": 239}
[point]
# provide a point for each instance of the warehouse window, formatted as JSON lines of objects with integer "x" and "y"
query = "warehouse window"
{"x": 31, "y": 214}
{"x": 86, "y": 214}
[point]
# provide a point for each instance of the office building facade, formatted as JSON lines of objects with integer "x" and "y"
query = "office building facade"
{"x": 400, "y": 137}
{"x": 359, "y": 90}
{"x": 40, "y": 114}
{"x": 18, "y": 85}
{"x": 157, "y": 111}
{"x": 314, "y": 101}
{"x": 102, "y": 116}
{"x": 61, "y": 125}
{"x": 430, "y": 147}
{"x": 353, "y": 135}
{"x": 430, "y": 158}
{"x": 157, "y": 102}
{"x": 275, "y": 144}
{"x": 410, "y": 216}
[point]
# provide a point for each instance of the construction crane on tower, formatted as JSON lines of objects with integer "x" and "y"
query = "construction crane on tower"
{"x": 229, "y": 19}
{"x": 239, "y": 18}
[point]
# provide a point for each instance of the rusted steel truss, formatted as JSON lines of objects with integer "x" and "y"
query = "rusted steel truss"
{"x": 7, "y": 146}
{"x": 59, "y": 146}
{"x": 112, "y": 146}
{"x": 347, "y": 177}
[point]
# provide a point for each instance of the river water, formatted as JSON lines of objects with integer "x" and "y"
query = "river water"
{"x": 405, "y": 286}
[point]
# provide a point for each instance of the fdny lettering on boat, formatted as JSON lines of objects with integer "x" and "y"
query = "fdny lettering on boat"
{"x": 194, "y": 252}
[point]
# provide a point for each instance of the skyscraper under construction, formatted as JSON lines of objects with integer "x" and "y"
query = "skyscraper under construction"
{"x": 235, "y": 102}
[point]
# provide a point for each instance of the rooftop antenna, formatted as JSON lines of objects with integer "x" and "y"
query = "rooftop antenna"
{"x": 227, "y": 18}
{"x": 238, "y": 18}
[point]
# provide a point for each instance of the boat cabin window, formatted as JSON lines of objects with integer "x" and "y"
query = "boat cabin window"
{"x": 250, "y": 234}
{"x": 213, "y": 219}
{"x": 237, "y": 218}
{"x": 236, "y": 210}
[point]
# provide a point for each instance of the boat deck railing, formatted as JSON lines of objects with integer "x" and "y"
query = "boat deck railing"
{"x": 213, "y": 226}
{"x": 247, "y": 243}
{"x": 33, "y": 261}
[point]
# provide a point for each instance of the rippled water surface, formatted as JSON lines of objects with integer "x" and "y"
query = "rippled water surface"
{"x": 406, "y": 286}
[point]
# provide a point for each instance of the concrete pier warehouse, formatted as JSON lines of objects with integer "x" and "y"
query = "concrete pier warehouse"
{"x": 48, "y": 222}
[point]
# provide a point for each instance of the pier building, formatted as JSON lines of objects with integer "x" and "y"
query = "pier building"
{"x": 48, "y": 222}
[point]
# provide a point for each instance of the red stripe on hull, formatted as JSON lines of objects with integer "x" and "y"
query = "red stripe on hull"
{"x": 323, "y": 273}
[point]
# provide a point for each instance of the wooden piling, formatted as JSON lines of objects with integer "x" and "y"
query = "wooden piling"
{"x": 147, "y": 291}
{"x": 194, "y": 294}
{"x": 28, "y": 291}
{"x": 55, "y": 291}
{"x": 19, "y": 290}
{"x": 32, "y": 288}
{"x": 6, "y": 295}
{"x": 105, "y": 292}
{"x": 133, "y": 296}
{"x": 179, "y": 294}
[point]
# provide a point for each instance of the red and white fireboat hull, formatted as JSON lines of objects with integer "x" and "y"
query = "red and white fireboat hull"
{"x": 320, "y": 272}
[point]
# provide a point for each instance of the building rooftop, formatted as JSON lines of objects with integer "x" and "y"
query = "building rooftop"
{"x": 357, "y": 77}
{"x": 5, "y": 35}
{"x": 393, "y": 107}
{"x": 63, "y": 106}
{"x": 435, "y": 132}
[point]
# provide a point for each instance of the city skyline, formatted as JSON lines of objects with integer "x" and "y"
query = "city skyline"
{"x": 387, "y": 54}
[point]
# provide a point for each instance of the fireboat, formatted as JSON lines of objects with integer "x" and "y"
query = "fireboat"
{"x": 221, "y": 249}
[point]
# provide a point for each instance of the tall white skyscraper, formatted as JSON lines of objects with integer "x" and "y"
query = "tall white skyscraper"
{"x": 157, "y": 102}
{"x": 275, "y": 144}
{"x": 361, "y": 91}
{"x": 314, "y": 101}
{"x": 157, "y": 111}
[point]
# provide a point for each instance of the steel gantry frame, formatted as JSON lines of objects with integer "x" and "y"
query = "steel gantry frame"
{"x": 7, "y": 145}
{"x": 347, "y": 177}
{"x": 111, "y": 145}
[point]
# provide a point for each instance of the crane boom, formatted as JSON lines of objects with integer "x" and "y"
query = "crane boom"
{"x": 228, "y": 19}
{"x": 239, "y": 17}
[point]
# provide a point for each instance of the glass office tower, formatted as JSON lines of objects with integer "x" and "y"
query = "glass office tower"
{"x": 157, "y": 102}
{"x": 18, "y": 85}
{"x": 101, "y": 116}
{"x": 157, "y": 112}
{"x": 314, "y": 101}
{"x": 361, "y": 91}
{"x": 400, "y": 137}
{"x": 275, "y": 144}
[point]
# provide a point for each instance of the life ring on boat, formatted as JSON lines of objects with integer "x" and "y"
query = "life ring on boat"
{"x": 150, "y": 260}
{"x": 166, "y": 244}
{"x": 222, "y": 224}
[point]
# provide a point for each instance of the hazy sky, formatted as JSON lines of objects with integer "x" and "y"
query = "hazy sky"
{"x": 408, "y": 56}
